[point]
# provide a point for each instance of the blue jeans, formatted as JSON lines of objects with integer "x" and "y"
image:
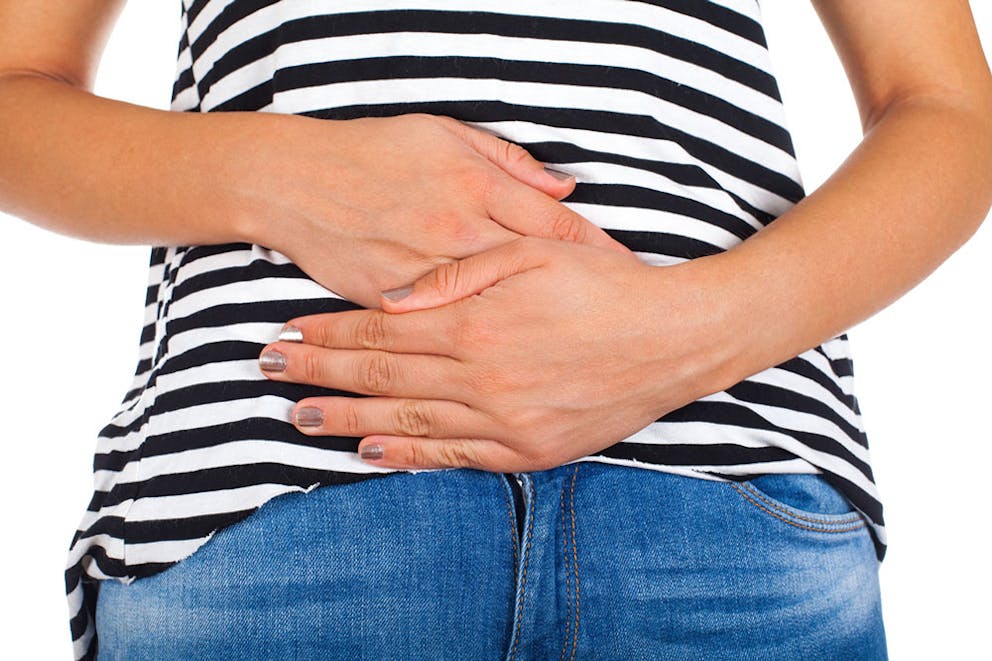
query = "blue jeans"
{"x": 584, "y": 561}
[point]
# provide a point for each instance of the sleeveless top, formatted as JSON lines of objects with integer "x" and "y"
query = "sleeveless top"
{"x": 670, "y": 116}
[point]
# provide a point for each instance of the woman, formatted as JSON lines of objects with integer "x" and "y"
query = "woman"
{"x": 680, "y": 162}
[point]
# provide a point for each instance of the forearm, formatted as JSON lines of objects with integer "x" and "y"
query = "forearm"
{"x": 115, "y": 172}
{"x": 915, "y": 189}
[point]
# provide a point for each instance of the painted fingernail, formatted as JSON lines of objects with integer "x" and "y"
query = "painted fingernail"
{"x": 272, "y": 361}
{"x": 397, "y": 294}
{"x": 370, "y": 452}
{"x": 290, "y": 334}
{"x": 560, "y": 175}
{"x": 309, "y": 416}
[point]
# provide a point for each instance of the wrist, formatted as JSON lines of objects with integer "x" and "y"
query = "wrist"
{"x": 236, "y": 171}
{"x": 256, "y": 169}
{"x": 762, "y": 318}
{"x": 715, "y": 320}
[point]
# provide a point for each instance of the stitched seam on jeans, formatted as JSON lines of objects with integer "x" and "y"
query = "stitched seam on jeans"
{"x": 513, "y": 521}
{"x": 575, "y": 562}
{"x": 568, "y": 595}
{"x": 854, "y": 516}
{"x": 861, "y": 523}
{"x": 523, "y": 579}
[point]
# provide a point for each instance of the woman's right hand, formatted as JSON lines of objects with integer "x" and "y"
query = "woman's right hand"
{"x": 373, "y": 203}
{"x": 361, "y": 205}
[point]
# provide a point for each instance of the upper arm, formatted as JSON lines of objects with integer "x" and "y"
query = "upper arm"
{"x": 892, "y": 49}
{"x": 61, "y": 39}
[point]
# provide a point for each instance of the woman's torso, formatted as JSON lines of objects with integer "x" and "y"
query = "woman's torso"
{"x": 667, "y": 111}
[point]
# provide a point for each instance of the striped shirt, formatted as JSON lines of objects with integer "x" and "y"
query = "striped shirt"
{"x": 668, "y": 113}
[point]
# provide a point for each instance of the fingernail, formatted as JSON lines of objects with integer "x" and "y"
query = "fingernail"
{"x": 397, "y": 294}
{"x": 370, "y": 452}
{"x": 290, "y": 334}
{"x": 560, "y": 175}
{"x": 272, "y": 361}
{"x": 309, "y": 416}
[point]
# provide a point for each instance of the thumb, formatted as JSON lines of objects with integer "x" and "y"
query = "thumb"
{"x": 516, "y": 161}
{"x": 460, "y": 279}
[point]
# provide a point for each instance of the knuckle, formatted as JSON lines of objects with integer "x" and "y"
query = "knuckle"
{"x": 313, "y": 368}
{"x": 513, "y": 428}
{"x": 472, "y": 176}
{"x": 466, "y": 233}
{"x": 352, "y": 422}
{"x": 455, "y": 454}
{"x": 441, "y": 220}
{"x": 543, "y": 461}
{"x": 416, "y": 455}
{"x": 370, "y": 332}
{"x": 489, "y": 383}
{"x": 446, "y": 278}
{"x": 413, "y": 419}
{"x": 485, "y": 331}
{"x": 531, "y": 425}
{"x": 443, "y": 120}
{"x": 454, "y": 333}
{"x": 464, "y": 334}
{"x": 529, "y": 247}
{"x": 423, "y": 119}
{"x": 321, "y": 335}
{"x": 513, "y": 154}
{"x": 375, "y": 374}
{"x": 567, "y": 227}
{"x": 538, "y": 452}
{"x": 488, "y": 185}
{"x": 446, "y": 454}
{"x": 451, "y": 328}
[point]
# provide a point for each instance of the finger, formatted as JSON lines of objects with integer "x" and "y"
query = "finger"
{"x": 413, "y": 453}
{"x": 427, "y": 332}
{"x": 526, "y": 211}
{"x": 456, "y": 280}
{"x": 362, "y": 416}
{"x": 514, "y": 160}
{"x": 365, "y": 372}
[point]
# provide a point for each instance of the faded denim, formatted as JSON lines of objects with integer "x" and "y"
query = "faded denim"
{"x": 585, "y": 561}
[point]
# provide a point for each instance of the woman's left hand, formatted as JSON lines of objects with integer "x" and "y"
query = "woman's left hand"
{"x": 518, "y": 358}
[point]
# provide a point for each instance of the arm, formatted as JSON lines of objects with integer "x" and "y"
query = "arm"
{"x": 554, "y": 353}
{"x": 320, "y": 191}
{"x": 915, "y": 189}
{"x": 95, "y": 168}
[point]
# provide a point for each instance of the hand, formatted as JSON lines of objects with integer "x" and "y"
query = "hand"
{"x": 373, "y": 203}
{"x": 537, "y": 352}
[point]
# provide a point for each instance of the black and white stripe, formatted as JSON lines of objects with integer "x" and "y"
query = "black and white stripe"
{"x": 666, "y": 110}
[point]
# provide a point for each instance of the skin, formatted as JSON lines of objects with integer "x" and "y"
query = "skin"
{"x": 535, "y": 353}
{"x": 465, "y": 371}
{"x": 360, "y": 205}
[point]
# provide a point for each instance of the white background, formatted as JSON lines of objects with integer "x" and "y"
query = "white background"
{"x": 71, "y": 315}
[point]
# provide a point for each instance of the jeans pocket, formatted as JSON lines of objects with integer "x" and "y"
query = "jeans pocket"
{"x": 803, "y": 500}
